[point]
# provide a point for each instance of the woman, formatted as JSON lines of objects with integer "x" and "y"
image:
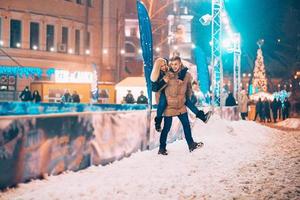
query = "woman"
{"x": 243, "y": 104}
{"x": 36, "y": 97}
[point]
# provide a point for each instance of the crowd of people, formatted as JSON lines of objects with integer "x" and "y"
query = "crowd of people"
{"x": 279, "y": 110}
{"x": 266, "y": 110}
{"x": 27, "y": 96}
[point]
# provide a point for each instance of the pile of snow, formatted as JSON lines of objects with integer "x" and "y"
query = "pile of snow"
{"x": 290, "y": 123}
{"x": 211, "y": 172}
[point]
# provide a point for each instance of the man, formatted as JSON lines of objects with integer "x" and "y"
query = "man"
{"x": 25, "y": 94}
{"x": 66, "y": 98}
{"x": 286, "y": 108}
{"x": 142, "y": 99}
{"x": 258, "y": 110}
{"x": 75, "y": 97}
{"x": 176, "y": 93}
{"x": 129, "y": 98}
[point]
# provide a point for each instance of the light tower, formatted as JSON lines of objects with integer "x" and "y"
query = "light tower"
{"x": 216, "y": 53}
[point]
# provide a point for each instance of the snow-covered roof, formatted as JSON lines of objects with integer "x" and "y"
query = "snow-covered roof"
{"x": 132, "y": 82}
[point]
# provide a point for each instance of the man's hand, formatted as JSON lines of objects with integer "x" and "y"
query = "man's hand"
{"x": 166, "y": 78}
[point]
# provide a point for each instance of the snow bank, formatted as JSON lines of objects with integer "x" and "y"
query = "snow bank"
{"x": 290, "y": 123}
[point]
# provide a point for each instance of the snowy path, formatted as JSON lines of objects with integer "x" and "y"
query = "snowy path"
{"x": 240, "y": 160}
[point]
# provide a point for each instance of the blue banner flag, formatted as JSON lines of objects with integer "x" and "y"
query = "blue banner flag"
{"x": 146, "y": 44}
{"x": 202, "y": 70}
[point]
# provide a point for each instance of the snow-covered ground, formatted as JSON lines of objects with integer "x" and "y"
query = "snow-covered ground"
{"x": 240, "y": 160}
{"x": 290, "y": 123}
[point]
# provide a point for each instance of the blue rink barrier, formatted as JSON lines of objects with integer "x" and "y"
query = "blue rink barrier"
{"x": 29, "y": 108}
{"x": 35, "y": 145}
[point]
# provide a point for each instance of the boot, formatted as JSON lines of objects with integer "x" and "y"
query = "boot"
{"x": 204, "y": 117}
{"x": 207, "y": 116}
{"x": 163, "y": 152}
{"x": 195, "y": 145}
{"x": 200, "y": 115}
{"x": 157, "y": 121}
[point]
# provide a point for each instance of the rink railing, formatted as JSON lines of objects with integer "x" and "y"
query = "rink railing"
{"x": 48, "y": 143}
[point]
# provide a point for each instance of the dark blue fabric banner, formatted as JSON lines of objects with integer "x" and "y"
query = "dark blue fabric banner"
{"x": 146, "y": 44}
{"x": 202, "y": 70}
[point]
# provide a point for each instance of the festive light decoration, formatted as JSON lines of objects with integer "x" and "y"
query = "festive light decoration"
{"x": 21, "y": 71}
{"x": 50, "y": 71}
{"x": 259, "y": 80}
{"x": 281, "y": 95}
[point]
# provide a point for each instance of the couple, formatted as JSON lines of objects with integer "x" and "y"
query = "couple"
{"x": 173, "y": 90}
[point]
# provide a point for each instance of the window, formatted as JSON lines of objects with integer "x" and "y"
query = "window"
{"x": 15, "y": 33}
{"x": 64, "y": 36}
{"x": 79, "y": 1}
{"x": 88, "y": 40}
{"x": 77, "y": 42}
{"x": 0, "y": 29}
{"x": 50, "y": 38}
{"x": 129, "y": 48}
{"x": 34, "y": 35}
{"x": 89, "y": 3}
{"x": 133, "y": 32}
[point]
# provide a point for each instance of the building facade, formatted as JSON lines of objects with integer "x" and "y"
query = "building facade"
{"x": 73, "y": 37}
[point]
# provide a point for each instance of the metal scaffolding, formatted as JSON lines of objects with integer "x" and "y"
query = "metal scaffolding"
{"x": 236, "y": 65}
{"x": 216, "y": 53}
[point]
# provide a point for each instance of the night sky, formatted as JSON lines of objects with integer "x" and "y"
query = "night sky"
{"x": 276, "y": 21}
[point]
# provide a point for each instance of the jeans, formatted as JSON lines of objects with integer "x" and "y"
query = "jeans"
{"x": 162, "y": 104}
{"x": 167, "y": 126}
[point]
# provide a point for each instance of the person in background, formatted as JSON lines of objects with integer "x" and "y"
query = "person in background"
{"x": 36, "y": 97}
{"x": 25, "y": 95}
{"x": 267, "y": 114}
{"x": 75, "y": 97}
{"x": 286, "y": 108}
{"x": 66, "y": 97}
{"x": 230, "y": 100}
{"x": 142, "y": 99}
{"x": 258, "y": 109}
{"x": 274, "y": 107}
{"x": 279, "y": 106}
{"x": 243, "y": 104}
{"x": 123, "y": 101}
{"x": 129, "y": 98}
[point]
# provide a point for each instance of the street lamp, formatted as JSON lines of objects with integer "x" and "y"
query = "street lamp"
{"x": 205, "y": 19}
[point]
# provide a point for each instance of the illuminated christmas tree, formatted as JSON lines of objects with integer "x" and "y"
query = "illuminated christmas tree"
{"x": 259, "y": 81}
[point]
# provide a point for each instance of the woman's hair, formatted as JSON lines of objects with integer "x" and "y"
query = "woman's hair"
{"x": 156, "y": 68}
